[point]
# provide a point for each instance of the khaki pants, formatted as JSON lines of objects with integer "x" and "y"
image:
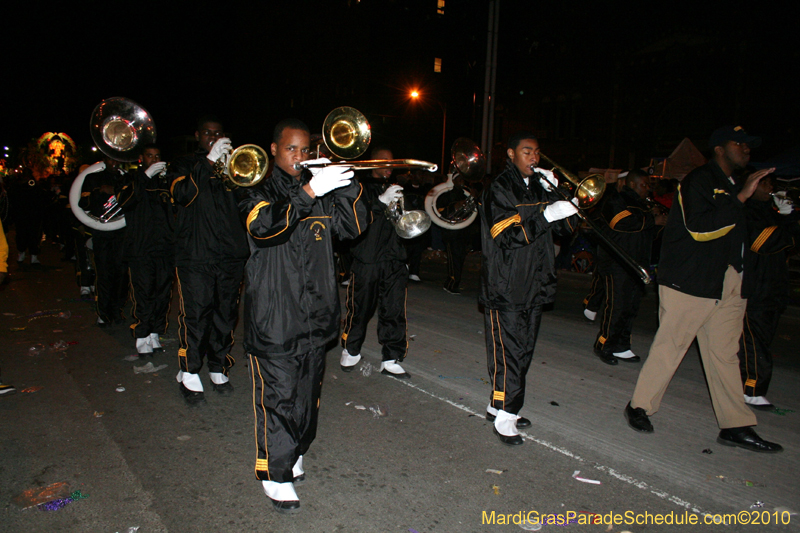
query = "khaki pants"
{"x": 717, "y": 324}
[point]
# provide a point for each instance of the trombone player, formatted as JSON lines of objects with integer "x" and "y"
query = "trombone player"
{"x": 210, "y": 252}
{"x": 520, "y": 211}
{"x": 291, "y": 301}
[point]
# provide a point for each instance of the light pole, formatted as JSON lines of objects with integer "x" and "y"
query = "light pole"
{"x": 415, "y": 95}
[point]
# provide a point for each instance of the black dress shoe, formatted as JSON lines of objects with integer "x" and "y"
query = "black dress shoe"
{"x": 192, "y": 398}
{"x": 522, "y": 422}
{"x": 286, "y": 507}
{"x": 634, "y": 359}
{"x": 224, "y": 389}
{"x": 747, "y": 438}
{"x": 299, "y": 480}
{"x": 513, "y": 440}
{"x": 637, "y": 419}
{"x": 607, "y": 358}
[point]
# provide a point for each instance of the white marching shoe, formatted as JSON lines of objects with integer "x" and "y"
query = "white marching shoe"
{"x": 144, "y": 347}
{"x": 758, "y": 402}
{"x": 155, "y": 343}
{"x": 591, "y": 315}
{"x": 349, "y": 362}
{"x": 298, "y": 474}
{"x": 282, "y": 495}
{"x": 191, "y": 388}
{"x": 505, "y": 427}
{"x": 391, "y": 368}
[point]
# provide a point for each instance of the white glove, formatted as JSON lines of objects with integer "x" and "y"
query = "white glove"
{"x": 221, "y": 148}
{"x": 391, "y": 194}
{"x": 89, "y": 244}
{"x": 549, "y": 181}
{"x": 155, "y": 169}
{"x": 327, "y": 179}
{"x": 784, "y": 204}
{"x": 559, "y": 210}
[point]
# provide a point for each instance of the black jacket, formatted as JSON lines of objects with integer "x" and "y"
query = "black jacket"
{"x": 518, "y": 269}
{"x": 380, "y": 241}
{"x": 291, "y": 300}
{"x": 705, "y": 233}
{"x": 149, "y": 220}
{"x": 628, "y": 223}
{"x": 770, "y": 236}
{"x": 208, "y": 227}
{"x": 92, "y": 198}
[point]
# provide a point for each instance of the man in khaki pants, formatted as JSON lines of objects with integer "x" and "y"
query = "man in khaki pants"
{"x": 700, "y": 277}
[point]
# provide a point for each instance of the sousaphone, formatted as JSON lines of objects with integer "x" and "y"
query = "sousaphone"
{"x": 119, "y": 128}
{"x": 468, "y": 162}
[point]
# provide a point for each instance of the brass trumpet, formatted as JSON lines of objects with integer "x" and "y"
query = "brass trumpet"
{"x": 245, "y": 166}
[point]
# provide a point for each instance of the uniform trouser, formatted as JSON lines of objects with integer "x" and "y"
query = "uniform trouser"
{"x": 510, "y": 341}
{"x": 624, "y": 294}
{"x": 414, "y": 249}
{"x": 112, "y": 283}
{"x": 209, "y": 309}
{"x": 755, "y": 357}
{"x": 380, "y": 286}
{"x": 84, "y": 272}
{"x": 150, "y": 292}
{"x": 29, "y": 235}
{"x": 286, "y": 394}
{"x": 456, "y": 247}
{"x": 597, "y": 293}
{"x": 717, "y": 324}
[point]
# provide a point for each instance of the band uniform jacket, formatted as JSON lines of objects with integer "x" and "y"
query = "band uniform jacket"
{"x": 148, "y": 216}
{"x": 770, "y": 236}
{"x": 208, "y": 228}
{"x": 92, "y": 198}
{"x": 291, "y": 302}
{"x": 380, "y": 241}
{"x": 705, "y": 232}
{"x": 518, "y": 268}
{"x": 629, "y": 223}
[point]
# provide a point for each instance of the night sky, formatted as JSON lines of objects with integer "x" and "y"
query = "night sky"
{"x": 668, "y": 72}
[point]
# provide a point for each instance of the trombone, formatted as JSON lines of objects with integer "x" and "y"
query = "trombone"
{"x": 589, "y": 191}
{"x": 347, "y": 134}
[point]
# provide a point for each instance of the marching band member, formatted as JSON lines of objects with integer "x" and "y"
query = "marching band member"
{"x": 378, "y": 280}
{"x": 111, "y": 278}
{"x": 630, "y": 223}
{"x": 519, "y": 213}
{"x": 148, "y": 248}
{"x": 211, "y": 249}
{"x": 291, "y": 301}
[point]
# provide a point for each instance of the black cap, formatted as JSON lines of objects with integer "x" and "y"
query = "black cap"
{"x": 733, "y": 133}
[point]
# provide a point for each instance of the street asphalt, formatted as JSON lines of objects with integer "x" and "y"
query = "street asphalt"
{"x": 390, "y": 455}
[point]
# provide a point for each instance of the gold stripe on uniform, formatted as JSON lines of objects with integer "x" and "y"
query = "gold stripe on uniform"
{"x": 750, "y": 383}
{"x": 620, "y": 216}
{"x": 702, "y": 236}
{"x": 254, "y": 213}
{"x": 499, "y": 395}
{"x": 762, "y": 238}
{"x": 498, "y": 228}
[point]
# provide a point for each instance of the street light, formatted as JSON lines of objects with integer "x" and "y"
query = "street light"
{"x": 415, "y": 95}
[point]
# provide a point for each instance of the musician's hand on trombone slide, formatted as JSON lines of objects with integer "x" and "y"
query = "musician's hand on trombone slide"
{"x": 326, "y": 179}
{"x": 559, "y": 210}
